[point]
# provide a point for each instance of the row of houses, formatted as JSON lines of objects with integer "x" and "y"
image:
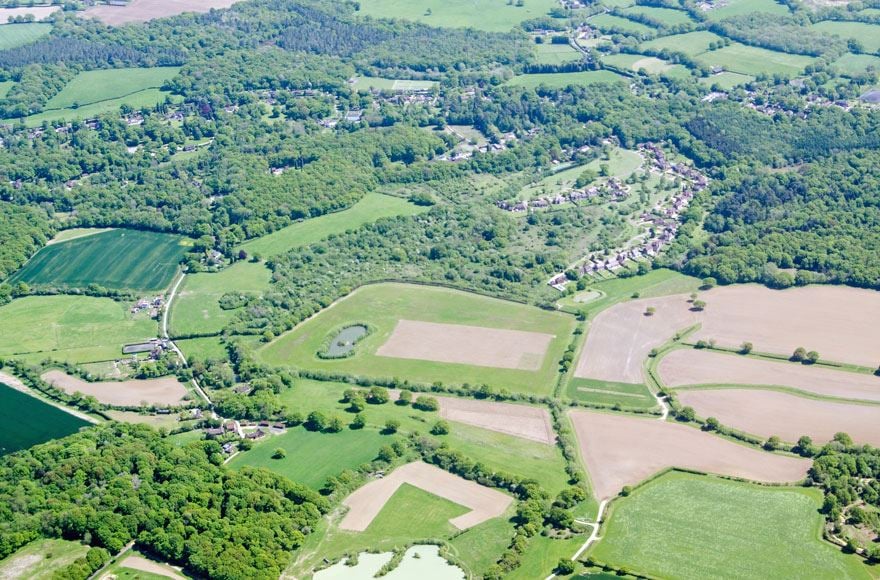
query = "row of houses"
{"x": 613, "y": 189}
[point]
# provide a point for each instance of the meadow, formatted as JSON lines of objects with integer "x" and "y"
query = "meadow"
{"x": 489, "y": 15}
{"x": 751, "y": 60}
{"x": 609, "y": 23}
{"x": 726, "y": 80}
{"x": 637, "y": 62}
{"x": 690, "y": 526}
{"x": 381, "y": 306}
{"x": 72, "y": 328}
{"x": 146, "y": 99}
{"x": 385, "y": 84}
{"x": 741, "y": 7}
{"x": 660, "y": 282}
{"x": 13, "y": 35}
{"x": 666, "y": 16}
{"x": 626, "y": 395}
{"x": 28, "y": 421}
{"x": 868, "y": 35}
{"x": 548, "y": 53}
{"x": 202, "y": 348}
{"x": 373, "y": 207}
{"x": 855, "y": 64}
{"x": 41, "y": 559}
{"x": 689, "y": 43}
{"x": 119, "y": 259}
{"x": 542, "y": 555}
{"x": 560, "y": 80}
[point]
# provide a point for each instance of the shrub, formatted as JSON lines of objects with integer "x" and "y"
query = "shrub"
{"x": 440, "y": 428}
{"x": 799, "y": 354}
{"x": 391, "y": 426}
{"x": 279, "y": 453}
{"x": 359, "y": 421}
{"x": 746, "y": 348}
{"x": 425, "y": 403}
{"x": 564, "y": 567}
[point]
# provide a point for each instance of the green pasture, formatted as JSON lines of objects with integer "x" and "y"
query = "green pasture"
{"x": 104, "y": 84}
{"x": 855, "y": 64}
{"x": 202, "y": 348}
{"x": 562, "y": 80}
{"x": 637, "y": 62}
{"x": 118, "y": 259}
{"x": 383, "y": 305}
{"x": 14, "y": 35}
{"x": 751, "y": 60}
{"x": 148, "y": 98}
{"x": 621, "y": 164}
{"x": 726, "y": 80}
{"x": 741, "y": 7}
{"x": 689, "y": 43}
{"x": 542, "y": 555}
{"x": 41, "y": 559}
{"x": 667, "y": 16}
{"x": 196, "y": 307}
{"x": 555, "y": 54}
{"x": 490, "y": 15}
{"x": 628, "y": 396}
{"x": 868, "y": 35}
{"x": 661, "y": 282}
{"x": 373, "y": 207}
{"x": 28, "y": 421}
{"x": 385, "y": 84}
{"x": 478, "y": 547}
{"x": 73, "y": 233}
{"x": 70, "y": 328}
{"x": 610, "y": 23}
{"x": 691, "y": 526}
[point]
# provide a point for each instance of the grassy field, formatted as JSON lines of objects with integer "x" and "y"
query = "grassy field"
{"x": 560, "y": 80}
{"x": 740, "y": 7}
{"x": 690, "y": 43}
{"x": 556, "y": 53}
{"x": 751, "y": 60}
{"x": 5, "y": 87}
{"x": 867, "y": 34}
{"x": 628, "y": 396}
{"x": 621, "y": 164}
{"x": 13, "y": 35}
{"x": 202, "y": 348}
{"x": 689, "y": 526}
{"x": 72, "y": 328}
{"x": 313, "y": 457}
{"x": 196, "y": 308}
{"x": 374, "y": 206}
{"x": 542, "y": 555}
{"x": 636, "y": 62}
{"x": 609, "y": 22}
{"x": 726, "y": 80}
{"x": 105, "y": 84}
{"x": 855, "y": 64}
{"x": 73, "y": 233}
{"x": 118, "y": 259}
{"x": 491, "y": 15}
{"x": 384, "y": 84}
{"x": 667, "y": 16}
{"x": 383, "y": 305}
{"x": 41, "y": 559}
{"x": 479, "y": 547}
{"x": 148, "y": 98}
{"x": 28, "y": 421}
{"x": 660, "y": 282}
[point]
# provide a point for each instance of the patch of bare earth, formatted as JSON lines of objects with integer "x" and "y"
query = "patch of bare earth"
{"x": 162, "y": 391}
{"x": 145, "y": 565}
{"x": 767, "y": 413}
{"x": 620, "y": 450}
{"x": 20, "y": 566}
{"x": 144, "y": 10}
{"x": 470, "y": 345}
{"x": 701, "y": 367}
{"x": 621, "y": 337}
{"x": 366, "y": 503}
{"x": 518, "y": 420}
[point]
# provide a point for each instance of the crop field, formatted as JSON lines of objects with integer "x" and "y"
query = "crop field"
{"x": 726, "y": 80}
{"x": 767, "y": 413}
{"x": 740, "y": 7}
{"x": 627, "y": 395}
{"x": 490, "y": 15}
{"x": 118, "y": 259}
{"x": 694, "y": 527}
{"x": 40, "y": 559}
{"x": 395, "y": 85}
{"x": 383, "y": 306}
{"x": 70, "y": 328}
{"x": 548, "y": 53}
{"x": 560, "y": 80}
{"x": 143, "y": 10}
{"x": 751, "y": 60}
{"x": 524, "y": 421}
{"x": 621, "y": 450}
{"x": 621, "y": 164}
{"x": 196, "y": 307}
{"x": 373, "y": 207}
{"x": 868, "y": 35}
{"x": 689, "y": 43}
{"x": 28, "y": 421}
{"x": 13, "y": 35}
{"x": 133, "y": 392}
{"x": 609, "y": 22}
{"x": 668, "y": 16}
{"x": 637, "y": 62}
{"x": 856, "y": 64}
{"x": 101, "y": 85}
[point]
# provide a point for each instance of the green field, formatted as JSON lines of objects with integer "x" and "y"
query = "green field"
{"x": 28, "y": 421}
{"x": 196, "y": 308}
{"x": 102, "y": 85}
{"x": 491, "y": 15}
{"x": 741, "y": 7}
{"x": 147, "y": 98}
{"x": 751, "y": 60}
{"x": 659, "y": 282}
{"x": 555, "y": 54}
{"x": 117, "y": 259}
{"x": 202, "y": 348}
{"x": 374, "y": 206}
{"x": 5, "y": 87}
{"x": 628, "y": 396}
{"x": 637, "y": 62}
{"x": 479, "y": 547}
{"x": 397, "y": 85}
{"x": 542, "y": 555}
{"x": 41, "y": 559}
{"x": 382, "y": 305}
{"x": 13, "y": 35}
{"x": 621, "y": 164}
{"x": 726, "y": 80}
{"x": 562, "y": 80}
{"x": 667, "y": 16}
{"x": 868, "y": 35}
{"x": 690, "y": 43}
{"x": 690, "y": 526}
{"x": 609, "y": 23}
{"x": 855, "y": 64}
{"x": 70, "y": 328}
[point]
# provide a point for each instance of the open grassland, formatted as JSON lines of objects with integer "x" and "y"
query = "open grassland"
{"x": 395, "y": 85}
{"x": 382, "y": 306}
{"x": 726, "y": 80}
{"x": 28, "y": 421}
{"x": 689, "y": 43}
{"x": 666, "y": 16}
{"x": 207, "y": 348}
{"x": 752, "y": 60}
{"x": 621, "y": 164}
{"x": 610, "y": 23}
{"x": 626, "y": 395}
{"x": 637, "y": 62}
{"x": 478, "y": 547}
{"x": 196, "y": 308}
{"x": 868, "y": 35}
{"x": 70, "y": 328}
{"x": 133, "y": 392}
{"x": 741, "y": 7}
{"x": 13, "y": 35}
{"x": 621, "y": 450}
{"x": 372, "y": 207}
{"x": 548, "y": 53}
{"x": 605, "y": 293}
{"x": 765, "y": 413}
{"x": 143, "y": 10}
{"x": 490, "y": 15}
{"x": 856, "y": 64}
{"x": 101, "y": 85}
{"x": 40, "y": 559}
{"x": 560, "y": 80}
{"x": 118, "y": 259}
{"x": 542, "y": 555}
{"x": 694, "y": 527}
{"x": 147, "y": 98}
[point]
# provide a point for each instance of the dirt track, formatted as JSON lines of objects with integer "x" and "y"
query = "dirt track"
{"x": 700, "y": 367}
{"x": 163, "y": 391}
{"x": 366, "y": 503}
{"x": 470, "y": 345}
{"x": 767, "y": 413}
{"x": 621, "y": 450}
{"x": 143, "y": 10}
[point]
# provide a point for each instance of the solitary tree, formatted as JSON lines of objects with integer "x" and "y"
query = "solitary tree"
{"x": 650, "y": 311}
{"x": 812, "y": 357}
{"x": 699, "y": 305}
{"x": 712, "y": 424}
{"x": 799, "y": 354}
{"x": 391, "y": 426}
{"x": 773, "y": 443}
{"x": 359, "y": 421}
{"x": 279, "y": 453}
{"x": 405, "y": 398}
{"x": 440, "y": 428}
{"x": 746, "y": 348}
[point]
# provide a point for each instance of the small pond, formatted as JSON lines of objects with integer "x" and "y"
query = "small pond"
{"x": 422, "y": 562}
{"x": 344, "y": 342}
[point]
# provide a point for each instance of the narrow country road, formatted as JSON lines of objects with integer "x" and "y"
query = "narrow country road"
{"x": 164, "y": 332}
{"x": 594, "y": 535}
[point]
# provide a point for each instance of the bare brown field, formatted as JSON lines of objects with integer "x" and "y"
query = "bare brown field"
{"x": 518, "y": 420}
{"x": 366, "y": 503}
{"x": 621, "y": 337}
{"x": 470, "y": 345}
{"x": 162, "y": 391}
{"x": 767, "y": 413}
{"x": 842, "y": 324}
{"x": 700, "y": 367}
{"x": 620, "y": 450}
{"x": 39, "y": 12}
{"x": 144, "y": 10}
{"x": 144, "y": 565}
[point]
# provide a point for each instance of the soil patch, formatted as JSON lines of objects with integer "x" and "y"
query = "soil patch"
{"x": 619, "y": 450}
{"x": 143, "y": 10}
{"x": 162, "y": 391}
{"x": 144, "y": 565}
{"x": 470, "y": 345}
{"x": 518, "y": 420}
{"x": 366, "y": 503}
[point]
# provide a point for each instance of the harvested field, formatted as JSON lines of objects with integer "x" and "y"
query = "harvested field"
{"x": 699, "y": 367}
{"x": 144, "y": 10}
{"x": 366, "y": 503}
{"x": 162, "y": 391}
{"x": 767, "y": 413}
{"x": 470, "y": 345}
{"x": 619, "y": 450}
{"x": 518, "y": 420}
{"x": 621, "y": 337}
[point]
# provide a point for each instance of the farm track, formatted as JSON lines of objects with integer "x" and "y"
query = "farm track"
{"x": 164, "y": 331}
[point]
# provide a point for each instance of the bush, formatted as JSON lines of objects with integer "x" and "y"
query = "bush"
{"x": 279, "y": 453}
{"x": 564, "y": 567}
{"x": 359, "y": 421}
{"x": 746, "y": 348}
{"x": 391, "y": 426}
{"x": 440, "y": 428}
{"x": 425, "y": 403}
{"x": 799, "y": 354}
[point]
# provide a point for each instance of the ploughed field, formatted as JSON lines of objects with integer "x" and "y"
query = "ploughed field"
{"x": 133, "y": 392}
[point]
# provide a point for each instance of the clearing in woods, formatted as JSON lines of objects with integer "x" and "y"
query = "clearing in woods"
{"x": 13, "y": 35}
{"x": 133, "y": 392}
{"x": 490, "y": 15}
{"x": 868, "y": 35}
{"x": 40, "y": 559}
{"x": 753, "y": 60}
{"x": 689, "y": 43}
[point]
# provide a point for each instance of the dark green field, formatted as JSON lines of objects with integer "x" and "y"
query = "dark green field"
{"x": 28, "y": 421}
{"x": 117, "y": 259}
